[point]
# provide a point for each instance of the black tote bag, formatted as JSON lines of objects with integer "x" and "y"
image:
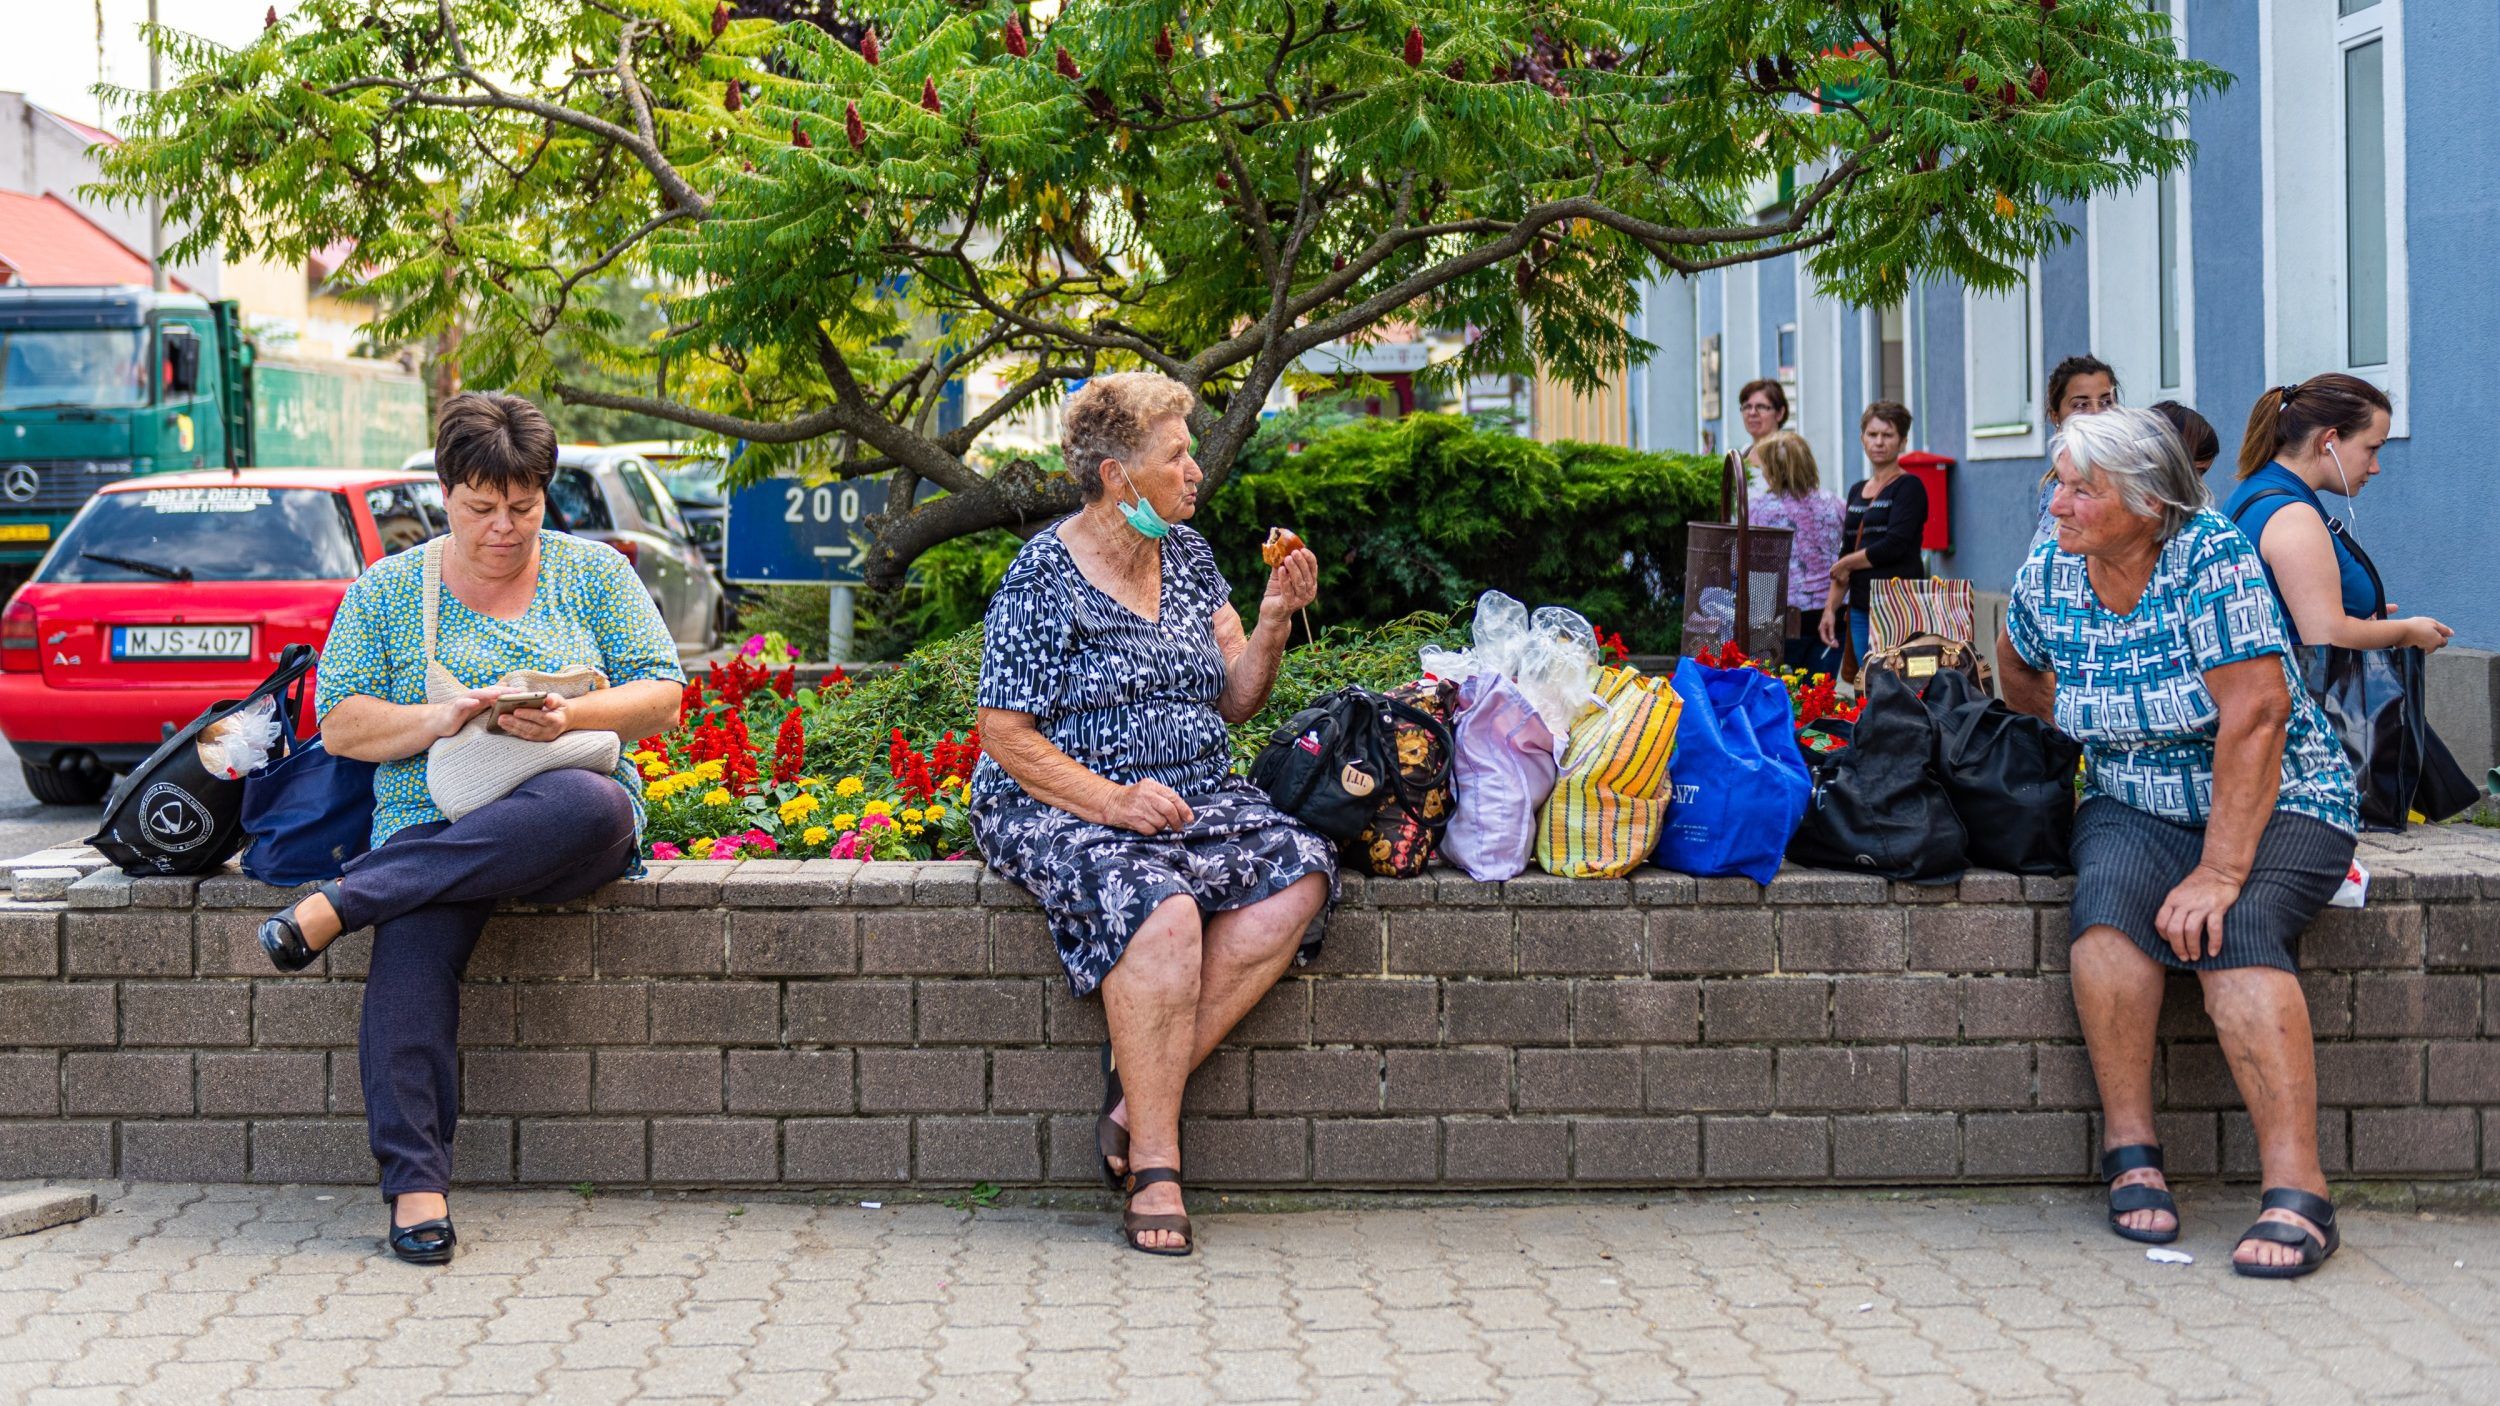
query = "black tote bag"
{"x": 1878, "y": 807}
{"x": 2010, "y": 776}
{"x": 1334, "y": 765}
{"x": 172, "y": 815}
{"x": 2374, "y": 699}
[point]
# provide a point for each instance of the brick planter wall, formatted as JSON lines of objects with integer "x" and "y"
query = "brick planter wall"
{"x": 828, "y": 1023}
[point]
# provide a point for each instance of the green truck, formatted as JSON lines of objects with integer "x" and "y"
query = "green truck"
{"x": 99, "y": 384}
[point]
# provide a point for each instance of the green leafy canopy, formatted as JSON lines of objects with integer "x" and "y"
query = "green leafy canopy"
{"x": 1219, "y": 189}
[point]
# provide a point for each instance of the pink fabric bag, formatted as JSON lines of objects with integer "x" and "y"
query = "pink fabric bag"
{"x": 1502, "y": 770}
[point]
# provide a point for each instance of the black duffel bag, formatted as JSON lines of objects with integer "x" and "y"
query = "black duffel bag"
{"x": 171, "y": 814}
{"x": 1334, "y": 765}
{"x": 2010, "y": 776}
{"x": 1878, "y": 807}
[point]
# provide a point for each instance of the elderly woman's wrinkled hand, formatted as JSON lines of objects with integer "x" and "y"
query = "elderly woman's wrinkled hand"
{"x": 1292, "y": 585}
{"x": 2191, "y": 917}
{"x": 1147, "y": 807}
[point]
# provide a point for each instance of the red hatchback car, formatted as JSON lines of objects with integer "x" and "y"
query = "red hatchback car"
{"x": 170, "y": 592}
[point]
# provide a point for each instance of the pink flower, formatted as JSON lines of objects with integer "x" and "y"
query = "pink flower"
{"x": 760, "y": 840}
{"x": 753, "y": 647}
{"x": 846, "y": 848}
{"x": 726, "y": 847}
{"x": 662, "y": 849}
{"x": 876, "y": 822}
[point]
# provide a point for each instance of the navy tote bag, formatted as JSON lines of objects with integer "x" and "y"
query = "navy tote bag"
{"x": 307, "y": 812}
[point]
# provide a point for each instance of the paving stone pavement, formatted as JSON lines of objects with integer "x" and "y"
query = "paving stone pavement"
{"x": 194, "y": 1294}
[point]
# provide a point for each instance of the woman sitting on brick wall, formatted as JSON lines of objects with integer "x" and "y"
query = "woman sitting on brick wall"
{"x": 513, "y": 598}
{"x": 2218, "y": 815}
{"x": 1112, "y": 661}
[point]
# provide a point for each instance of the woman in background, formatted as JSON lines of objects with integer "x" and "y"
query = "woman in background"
{"x": 1794, "y": 499}
{"x": 1763, "y": 406}
{"x": 1886, "y": 521}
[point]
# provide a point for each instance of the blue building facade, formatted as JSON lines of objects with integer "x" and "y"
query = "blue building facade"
{"x": 2338, "y": 216}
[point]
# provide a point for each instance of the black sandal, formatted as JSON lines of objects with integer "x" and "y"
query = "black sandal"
{"x": 1110, "y": 1139}
{"x": 2316, "y": 1210}
{"x": 426, "y": 1242}
{"x": 1133, "y": 1225}
{"x": 2126, "y": 1200}
{"x": 284, "y": 941}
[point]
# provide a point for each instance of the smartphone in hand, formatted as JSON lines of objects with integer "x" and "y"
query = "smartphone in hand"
{"x": 514, "y": 702}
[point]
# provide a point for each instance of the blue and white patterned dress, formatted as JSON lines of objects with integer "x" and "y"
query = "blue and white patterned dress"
{"x": 2131, "y": 687}
{"x": 589, "y": 608}
{"x": 1129, "y": 699}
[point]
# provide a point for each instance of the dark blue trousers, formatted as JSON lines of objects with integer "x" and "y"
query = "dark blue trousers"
{"x": 426, "y": 893}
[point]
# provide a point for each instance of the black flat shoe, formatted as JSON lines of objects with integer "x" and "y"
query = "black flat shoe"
{"x": 2123, "y": 1200}
{"x": 284, "y": 941}
{"x": 426, "y": 1242}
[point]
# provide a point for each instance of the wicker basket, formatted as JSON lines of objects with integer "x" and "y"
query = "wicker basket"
{"x": 1735, "y": 571}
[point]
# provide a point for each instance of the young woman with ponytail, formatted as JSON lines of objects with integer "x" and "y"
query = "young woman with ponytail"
{"x": 2322, "y": 434}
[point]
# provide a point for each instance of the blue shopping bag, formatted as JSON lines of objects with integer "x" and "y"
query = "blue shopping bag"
{"x": 1740, "y": 785}
{"x": 307, "y": 812}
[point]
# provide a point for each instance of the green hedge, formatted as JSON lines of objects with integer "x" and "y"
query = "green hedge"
{"x": 1425, "y": 513}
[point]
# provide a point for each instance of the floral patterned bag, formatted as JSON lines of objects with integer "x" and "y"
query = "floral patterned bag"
{"x": 1406, "y": 832}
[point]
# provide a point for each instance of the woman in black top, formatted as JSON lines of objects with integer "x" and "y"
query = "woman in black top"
{"x": 1887, "y": 519}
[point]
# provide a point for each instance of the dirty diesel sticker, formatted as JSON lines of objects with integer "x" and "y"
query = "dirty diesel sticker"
{"x": 206, "y": 500}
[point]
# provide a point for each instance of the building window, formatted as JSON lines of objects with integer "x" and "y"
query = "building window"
{"x": 2166, "y": 197}
{"x": 2001, "y": 370}
{"x": 2365, "y": 199}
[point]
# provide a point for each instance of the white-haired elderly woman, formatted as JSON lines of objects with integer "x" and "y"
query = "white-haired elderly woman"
{"x": 2218, "y": 812}
{"x": 1112, "y": 663}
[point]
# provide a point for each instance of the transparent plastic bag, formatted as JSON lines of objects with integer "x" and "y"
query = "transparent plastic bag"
{"x": 239, "y": 743}
{"x": 1551, "y": 654}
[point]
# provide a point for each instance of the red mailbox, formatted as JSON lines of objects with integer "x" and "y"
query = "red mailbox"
{"x": 1936, "y": 472}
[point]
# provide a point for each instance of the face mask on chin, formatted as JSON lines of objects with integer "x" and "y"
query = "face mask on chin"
{"x": 1141, "y": 514}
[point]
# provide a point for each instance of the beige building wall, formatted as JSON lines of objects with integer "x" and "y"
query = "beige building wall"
{"x": 1600, "y": 417}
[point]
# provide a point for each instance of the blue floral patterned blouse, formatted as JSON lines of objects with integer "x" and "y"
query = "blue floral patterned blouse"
{"x": 590, "y": 609}
{"x": 2131, "y": 687}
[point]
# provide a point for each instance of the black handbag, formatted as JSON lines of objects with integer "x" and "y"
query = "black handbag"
{"x": 2373, "y": 698}
{"x": 2010, "y": 776}
{"x": 308, "y": 811}
{"x": 171, "y": 814}
{"x": 1878, "y": 807}
{"x": 1334, "y": 765}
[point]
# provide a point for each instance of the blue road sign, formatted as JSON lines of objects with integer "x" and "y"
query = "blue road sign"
{"x": 783, "y": 531}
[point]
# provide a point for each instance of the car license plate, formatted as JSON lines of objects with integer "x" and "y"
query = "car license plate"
{"x": 25, "y": 532}
{"x": 182, "y": 641}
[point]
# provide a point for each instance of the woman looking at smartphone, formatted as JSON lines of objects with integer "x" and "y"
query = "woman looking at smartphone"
{"x": 513, "y": 597}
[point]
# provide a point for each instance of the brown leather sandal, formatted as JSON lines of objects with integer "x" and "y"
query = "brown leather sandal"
{"x": 1133, "y": 1225}
{"x": 1110, "y": 1139}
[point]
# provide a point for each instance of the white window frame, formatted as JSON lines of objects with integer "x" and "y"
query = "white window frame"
{"x": 2009, "y": 440}
{"x": 2142, "y": 384}
{"x": 2295, "y": 120}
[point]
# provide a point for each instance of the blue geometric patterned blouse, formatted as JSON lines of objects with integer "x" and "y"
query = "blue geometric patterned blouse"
{"x": 2131, "y": 687}
{"x": 589, "y": 608}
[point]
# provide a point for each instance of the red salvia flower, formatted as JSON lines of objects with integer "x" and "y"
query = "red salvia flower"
{"x": 789, "y": 748}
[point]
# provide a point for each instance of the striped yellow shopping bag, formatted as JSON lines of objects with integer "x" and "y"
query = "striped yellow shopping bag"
{"x": 1604, "y": 815}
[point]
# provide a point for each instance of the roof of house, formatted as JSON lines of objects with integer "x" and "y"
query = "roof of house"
{"x": 45, "y": 240}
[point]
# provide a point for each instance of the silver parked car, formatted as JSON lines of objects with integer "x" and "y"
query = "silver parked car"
{"x": 612, "y": 495}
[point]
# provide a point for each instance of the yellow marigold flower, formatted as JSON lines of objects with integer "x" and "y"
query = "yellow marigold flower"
{"x": 934, "y": 814}
{"x": 950, "y": 783}
{"x": 797, "y": 808}
{"x": 813, "y": 835}
{"x": 810, "y": 783}
{"x": 845, "y": 821}
{"x": 719, "y": 796}
{"x": 848, "y": 786}
{"x": 912, "y": 815}
{"x": 700, "y": 847}
{"x": 912, "y": 830}
{"x": 879, "y": 808}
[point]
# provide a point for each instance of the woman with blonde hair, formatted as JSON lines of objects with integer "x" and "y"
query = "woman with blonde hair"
{"x": 1793, "y": 498}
